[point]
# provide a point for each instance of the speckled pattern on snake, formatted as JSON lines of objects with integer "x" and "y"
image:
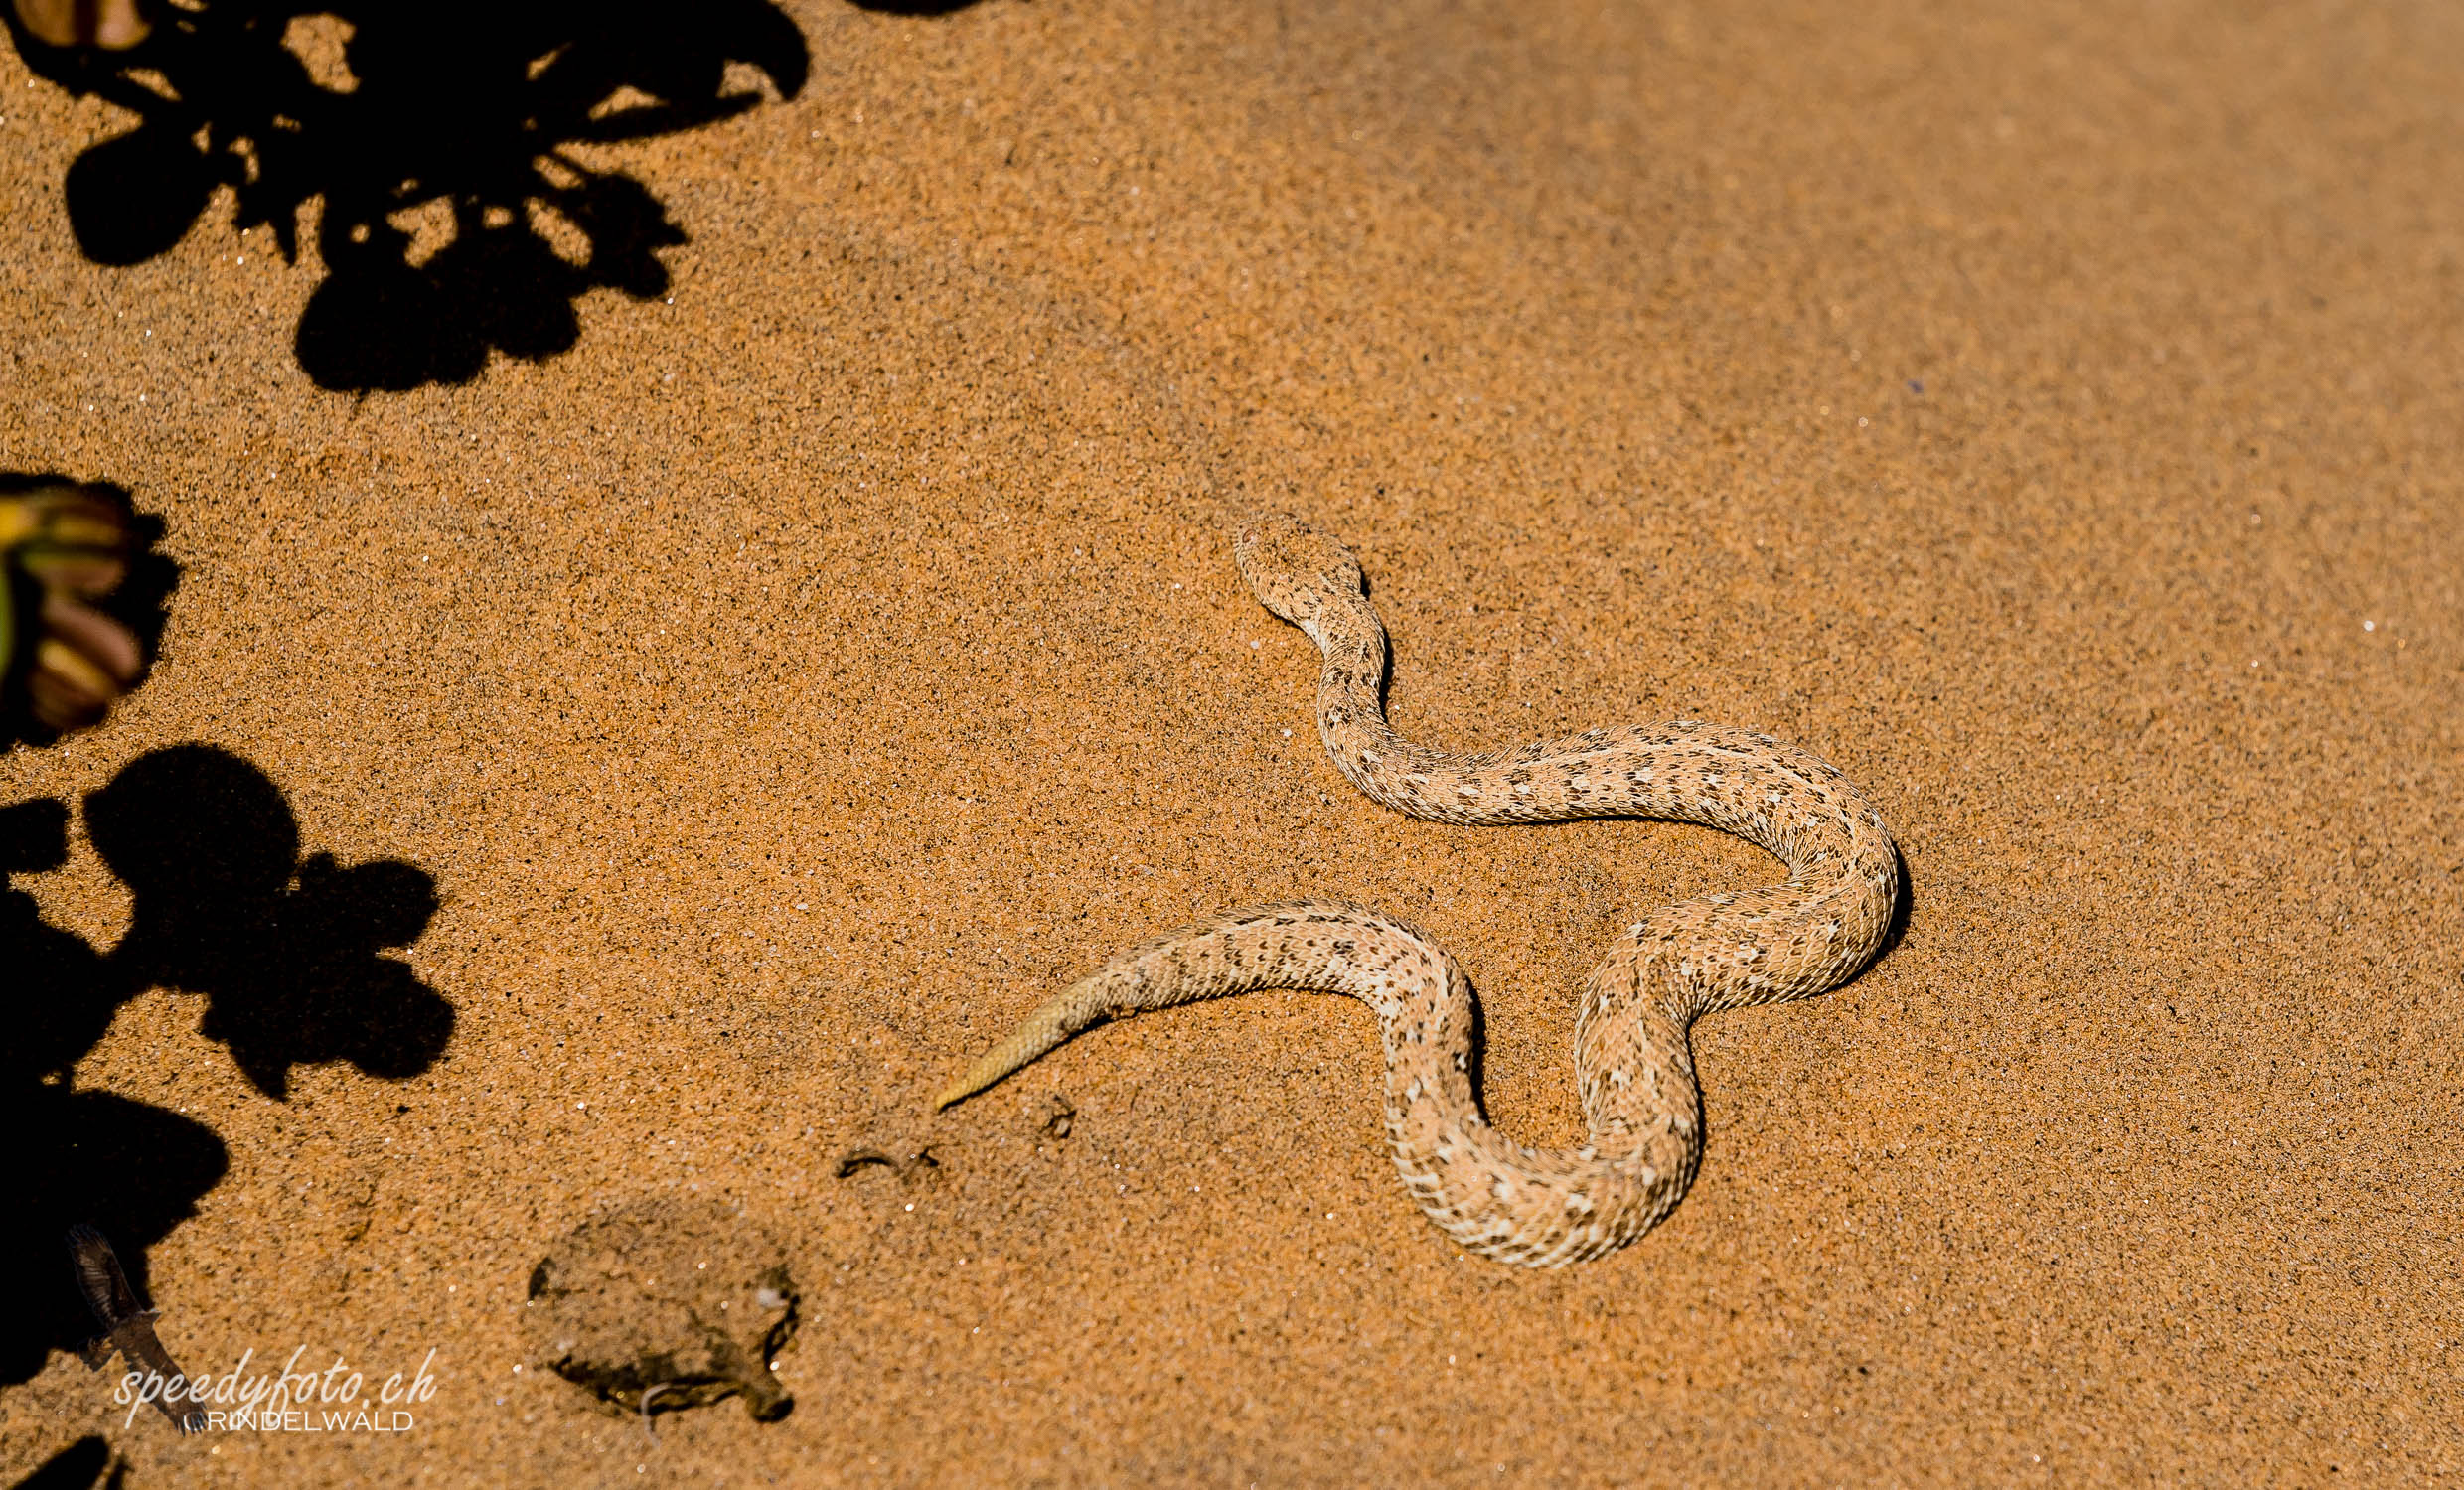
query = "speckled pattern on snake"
{"x": 1632, "y": 1057}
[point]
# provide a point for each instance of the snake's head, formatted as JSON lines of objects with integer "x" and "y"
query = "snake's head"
{"x": 1294, "y": 568}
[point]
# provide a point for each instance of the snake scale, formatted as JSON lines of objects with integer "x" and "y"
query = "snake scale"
{"x": 1632, "y": 1058}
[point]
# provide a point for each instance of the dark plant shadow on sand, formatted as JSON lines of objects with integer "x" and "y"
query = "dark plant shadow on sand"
{"x": 80, "y": 1466}
{"x": 286, "y": 950}
{"x": 287, "y": 954}
{"x": 454, "y": 216}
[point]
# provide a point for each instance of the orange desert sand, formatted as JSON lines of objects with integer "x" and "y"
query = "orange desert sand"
{"x": 2049, "y": 415}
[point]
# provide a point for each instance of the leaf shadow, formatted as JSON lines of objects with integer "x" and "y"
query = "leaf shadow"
{"x": 435, "y": 143}
{"x": 287, "y": 954}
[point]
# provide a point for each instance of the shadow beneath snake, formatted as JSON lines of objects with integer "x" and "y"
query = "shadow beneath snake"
{"x": 1898, "y": 928}
{"x": 286, "y": 954}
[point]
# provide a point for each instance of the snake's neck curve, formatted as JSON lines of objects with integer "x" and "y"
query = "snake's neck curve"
{"x": 1352, "y": 707}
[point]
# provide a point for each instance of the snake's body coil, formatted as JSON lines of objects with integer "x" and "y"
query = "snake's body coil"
{"x": 1633, "y": 1061}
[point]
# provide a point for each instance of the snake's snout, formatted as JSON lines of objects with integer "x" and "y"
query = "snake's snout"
{"x": 1292, "y": 568}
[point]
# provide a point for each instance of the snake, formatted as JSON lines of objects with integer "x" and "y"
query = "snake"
{"x": 1633, "y": 1052}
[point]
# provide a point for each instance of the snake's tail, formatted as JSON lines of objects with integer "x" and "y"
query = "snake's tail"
{"x": 1080, "y": 1007}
